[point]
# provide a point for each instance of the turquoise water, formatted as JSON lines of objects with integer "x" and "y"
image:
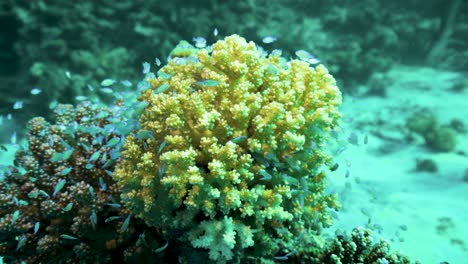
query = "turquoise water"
{"x": 400, "y": 66}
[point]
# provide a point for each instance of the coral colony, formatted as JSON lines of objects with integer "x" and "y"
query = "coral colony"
{"x": 217, "y": 158}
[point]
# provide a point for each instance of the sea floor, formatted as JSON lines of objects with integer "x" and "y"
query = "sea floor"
{"x": 425, "y": 214}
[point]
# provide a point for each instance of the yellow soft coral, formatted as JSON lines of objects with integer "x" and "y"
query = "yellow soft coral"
{"x": 235, "y": 134}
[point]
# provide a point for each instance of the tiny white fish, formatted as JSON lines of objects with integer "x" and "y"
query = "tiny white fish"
{"x": 146, "y": 67}
{"x": 37, "y": 225}
{"x": 157, "y": 61}
{"x": 93, "y": 219}
{"x": 36, "y": 91}
{"x": 90, "y": 87}
{"x": 269, "y": 39}
{"x": 53, "y": 104}
{"x": 68, "y": 207}
{"x": 107, "y": 82}
{"x": 67, "y": 73}
{"x": 64, "y": 236}
{"x": 18, "y": 105}
{"x": 353, "y": 139}
{"x": 21, "y": 242}
{"x": 13, "y": 138}
{"x": 59, "y": 186}
{"x": 125, "y": 224}
{"x": 81, "y": 98}
{"x": 306, "y": 56}
{"x": 9, "y": 116}
{"x": 200, "y": 42}
{"x": 112, "y": 218}
{"x": 126, "y": 83}
{"x": 106, "y": 90}
{"x": 15, "y": 217}
{"x": 215, "y": 32}
{"x": 276, "y": 53}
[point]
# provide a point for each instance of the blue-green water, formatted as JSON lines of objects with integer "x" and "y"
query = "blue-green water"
{"x": 400, "y": 65}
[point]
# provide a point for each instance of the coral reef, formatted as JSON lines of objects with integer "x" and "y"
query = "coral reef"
{"x": 59, "y": 202}
{"x": 359, "y": 248}
{"x": 436, "y": 137}
{"x": 230, "y": 148}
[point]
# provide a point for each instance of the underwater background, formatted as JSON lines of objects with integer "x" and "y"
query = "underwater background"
{"x": 401, "y": 67}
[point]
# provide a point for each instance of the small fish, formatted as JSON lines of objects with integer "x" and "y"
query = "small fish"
{"x": 56, "y": 157}
{"x": 292, "y": 163}
{"x": 36, "y": 91}
{"x": 334, "y": 167}
{"x": 37, "y": 225}
{"x": 90, "y": 87}
{"x": 33, "y": 194}
{"x": 215, "y": 32}
{"x": 93, "y": 219}
{"x": 200, "y": 42}
{"x": 125, "y": 224}
{"x": 161, "y": 170}
{"x": 68, "y": 207}
{"x": 15, "y": 217}
{"x": 161, "y": 248}
{"x": 16, "y": 201}
{"x": 53, "y": 105}
{"x": 126, "y": 83}
{"x": 106, "y": 90}
{"x": 164, "y": 76}
{"x": 162, "y": 88}
{"x": 64, "y": 236}
{"x": 353, "y": 139}
{"x": 114, "y": 155}
{"x": 266, "y": 175}
{"x": 207, "y": 83}
{"x": 21, "y": 242}
{"x": 315, "y": 217}
{"x": 108, "y": 82}
{"x": 115, "y": 205}
{"x": 102, "y": 184}
{"x": 112, "y": 218}
{"x": 13, "y": 138}
{"x": 94, "y": 156}
{"x": 67, "y": 154}
{"x": 67, "y": 73}
{"x": 238, "y": 139}
{"x": 157, "y": 61}
{"x": 347, "y": 174}
{"x": 365, "y": 212}
{"x": 268, "y": 39}
{"x": 163, "y": 144}
{"x": 81, "y": 98}
{"x": 59, "y": 186}
{"x": 146, "y": 67}
{"x": 91, "y": 191}
{"x": 144, "y": 134}
{"x": 114, "y": 141}
{"x": 108, "y": 172}
{"x": 66, "y": 171}
{"x": 306, "y": 56}
{"x": 366, "y": 139}
{"x": 44, "y": 193}
{"x": 9, "y": 116}
{"x": 18, "y": 105}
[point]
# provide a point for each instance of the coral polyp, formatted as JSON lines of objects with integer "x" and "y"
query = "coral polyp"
{"x": 237, "y": 141}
